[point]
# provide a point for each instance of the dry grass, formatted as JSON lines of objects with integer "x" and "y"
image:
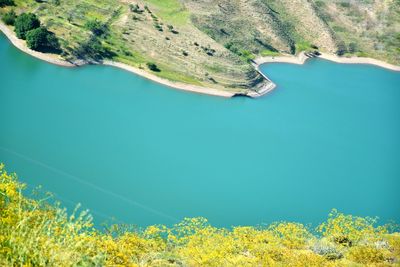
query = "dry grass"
{"x": 34, "y": 232}
{"x": 210, "y": 42}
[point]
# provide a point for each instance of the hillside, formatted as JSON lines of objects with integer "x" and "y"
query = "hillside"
{"x": 210, "y": 43}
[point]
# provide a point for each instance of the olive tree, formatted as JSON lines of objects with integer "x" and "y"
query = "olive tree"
{"x": 41, "y": 39}
{"x": 24, "y": 23}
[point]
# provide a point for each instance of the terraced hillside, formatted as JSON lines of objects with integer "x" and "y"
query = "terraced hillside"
{"x": 211, "y": 42}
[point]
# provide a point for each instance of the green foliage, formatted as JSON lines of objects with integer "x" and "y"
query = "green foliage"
{"x": 246, "y": 55}
{"x": 24, "y": 23}
{"x": 135, "y": 8}
{"x": 367, "y": 254}
{"x": 4, "y": 3}
{"x": 41, "y": 39}
{"x": 153, "y": 67}
{"x": 353, "y": 48}
{"x": 158, "y": 26}
{"x": 344, "y": 4}
{"x": 97, "y": 27}
{"x": 171, "y": 29}
{"x": 93, "y": 50}
{"x": 9, "y": 17}
{"x": 341, "y": 49}
{"x": 320, "y": 4}
{"x": 303, "y": 46}
{"x": 171, "y": 11}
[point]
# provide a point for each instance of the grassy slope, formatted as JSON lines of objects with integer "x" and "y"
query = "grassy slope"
{"x": 289, "y": 26}
{"x": 38, "y": 233}
{"x": 135, "y": 40}
{"x": 233, "y": 31}
{"x": 372, "y": 25}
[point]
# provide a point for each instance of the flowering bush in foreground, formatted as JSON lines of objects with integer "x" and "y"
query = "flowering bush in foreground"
{"x": 37, "y": 233}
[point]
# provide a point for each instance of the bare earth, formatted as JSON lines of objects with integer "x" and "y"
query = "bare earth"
{"x": 55, "y": 59}
{"x": 21, "y": 45}
{"x": 300, "y": 59}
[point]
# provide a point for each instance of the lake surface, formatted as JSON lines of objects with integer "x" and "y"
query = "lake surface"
{"x": 136, "y": 151}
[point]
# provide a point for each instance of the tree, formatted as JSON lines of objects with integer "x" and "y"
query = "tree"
{"x": 341, "y": 49}
{"x": 41, "y": 39}
{"x": 4, "y": 3}
{"x": 135, "y": 8}
{"x": 93, "y": 50}
{"x": 96, "y": 27}
{"x": 153, "y": 67}
{"x": 353, "y": 48}
{"x": 24, "y": 23}
{"x": 9, "y": 17}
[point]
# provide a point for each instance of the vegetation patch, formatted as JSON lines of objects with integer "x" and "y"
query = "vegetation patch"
{"x": 39, "y": 232}
{"x": 93, "y": 50}
{"x": 182, "y": 37}
{"x": 9, "y": 17}
{"x": 171, "y": 11}
{"x": 4, "y": 3}
{"x": 153, "y": 67}
{"x": 41, "y": 39}
{"x": 24, "y": 23}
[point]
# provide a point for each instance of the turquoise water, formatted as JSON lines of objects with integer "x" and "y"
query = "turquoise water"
{"x": 327, "y": 137}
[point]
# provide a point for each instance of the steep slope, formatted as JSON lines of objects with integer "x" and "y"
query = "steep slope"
{"x": 211, "y": 43}
{"x": 184, "y": 49}
{"x": 307, "y": 28}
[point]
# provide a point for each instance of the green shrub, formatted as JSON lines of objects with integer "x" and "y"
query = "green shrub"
{"x": 353, "y": 48}
{"x": 153, "y": 67}
{"x": 93, "y": 50}
{"x": 158, "y": 26}
{"x": 366, "y": 255}
{"x": 341, "y": 49}
{"x": 4, "y": 3}
{"x": 36, "y": 232}
{"x": 96, "y": 27}
{"x": 344, "y": 4}
{"x": 41, "y": 39}
{"x": 9, "y": 17}
{"x": 24, "y": 23}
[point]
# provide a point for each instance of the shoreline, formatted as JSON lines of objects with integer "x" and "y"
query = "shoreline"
{"x": 21, "y": 45}
{"x": 264, "y": 89}
{"x": 168, "y": 83}
{"x": 302, "y": 58}
{"x": 56, "y": 60}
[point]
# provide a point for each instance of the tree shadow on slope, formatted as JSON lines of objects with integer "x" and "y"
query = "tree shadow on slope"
{"x": 93, "y": 51}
